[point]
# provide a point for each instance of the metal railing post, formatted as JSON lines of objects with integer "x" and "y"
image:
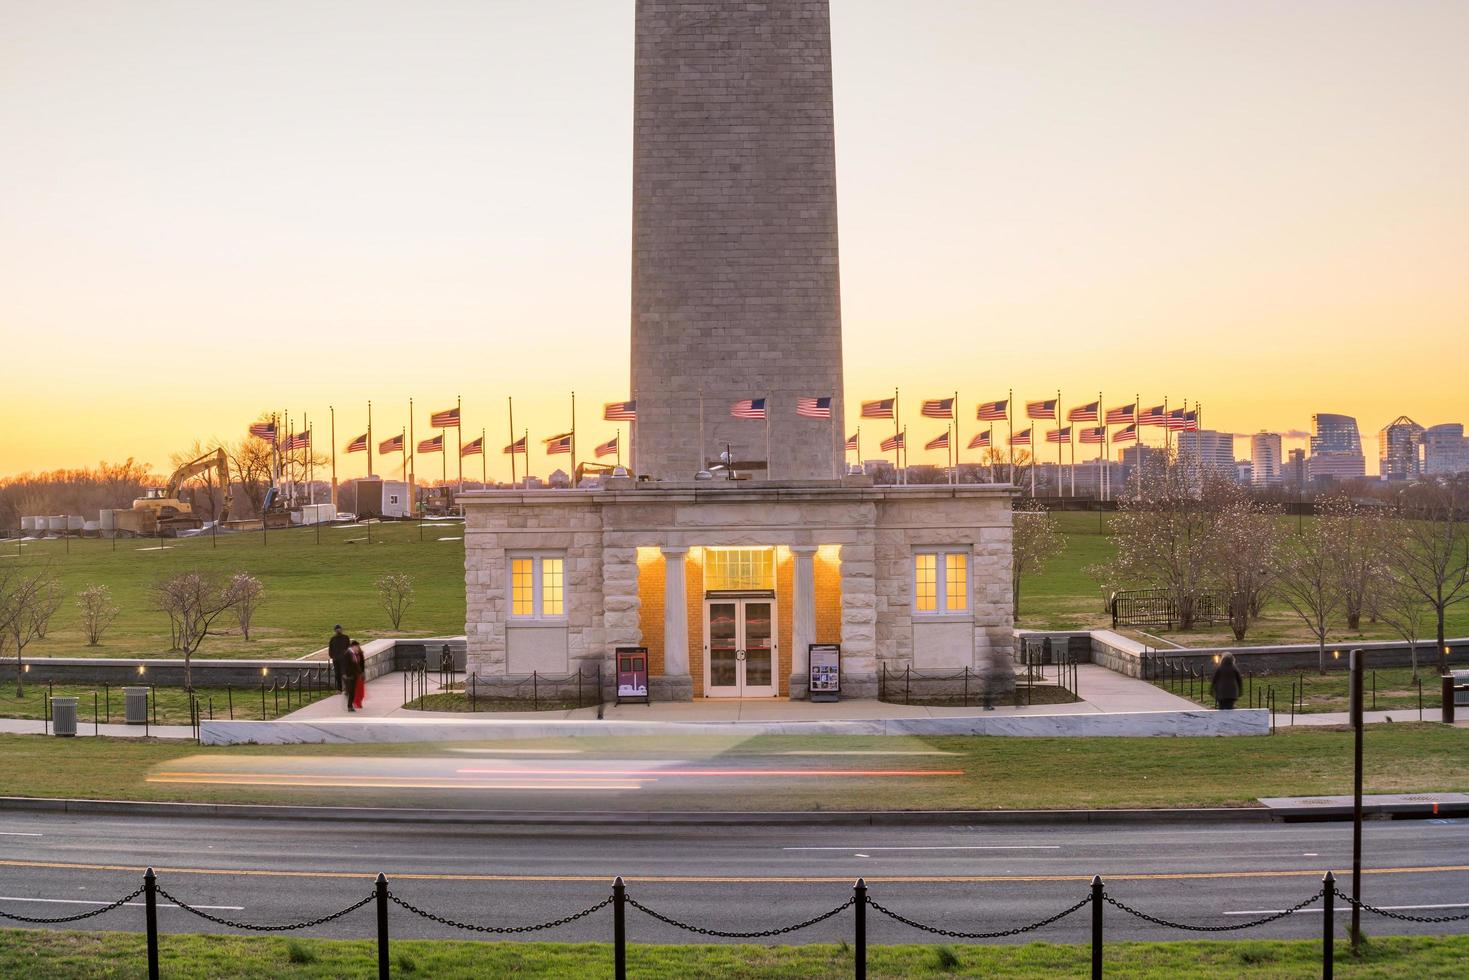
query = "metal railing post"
{"x": 619, "y": 929}
{"x": 150, "y": 902}
{"x": 1098, "y": 901}
{"x": 382, "y": 926}
{"x": 859, "y": 930}
{"x": 1328, "y": 929}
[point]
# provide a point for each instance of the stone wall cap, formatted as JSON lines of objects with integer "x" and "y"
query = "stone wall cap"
{"x": 824, "y": 490}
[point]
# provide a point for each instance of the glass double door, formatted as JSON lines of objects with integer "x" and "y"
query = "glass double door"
{"x": 739, "y": 648}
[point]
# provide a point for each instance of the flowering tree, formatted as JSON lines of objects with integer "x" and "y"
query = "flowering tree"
{"x": 395, "y": 594}
{"x": 1244, "y": 554}
{"x": 1310, "y": 581}
{"x": 28, "y": 600}
{"x": 193, "y": 602}
{"x": 1359, "y": 535}
{"x": 251, "y": 593}
{"x": 1037, "y": 538}
{"x": 1430, "y": 552}
{"x": 98, "y": 612}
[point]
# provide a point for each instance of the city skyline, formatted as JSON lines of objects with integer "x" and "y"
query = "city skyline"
{"x": 234, "y": 208}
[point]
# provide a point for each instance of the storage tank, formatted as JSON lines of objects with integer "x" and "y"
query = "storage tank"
{"x": 74, "y": 522}
{"x": 56, "y": 523}
{"x": 28, "y": 524}
{"x": 107, "y": 518}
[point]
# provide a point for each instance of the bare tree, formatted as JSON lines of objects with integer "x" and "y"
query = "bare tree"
{"x": 1036, "y": 539}
{"x": 1359, "y": 534}
{"x": 98, "y": 612}
{"x": 251, "y": 594}
{"x": 1398, "y": 603}
{"x": 1244, "y": 556}
{"x": 251, "y": 460}
{"x": 395, "y": 594}
{"x": 205, "y": 491}
{"x": 1310, "y": 582}
{"x": 48, "y": 603}
{"x": 27, "y": 603}
{"x": 1431, "y": 543}
{"x": 193, "y": 601}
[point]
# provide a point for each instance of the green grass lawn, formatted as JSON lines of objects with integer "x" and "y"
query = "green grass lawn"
{"x": 170, "y": 705}
{"x": 994, "y": 773}
{"x": 1320, "y": 694}
{"x": 309, "y": 586}
{"x": 40, "y": 955}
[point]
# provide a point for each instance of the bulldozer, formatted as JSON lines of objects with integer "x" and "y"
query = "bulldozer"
{"x": 160, "y": 511}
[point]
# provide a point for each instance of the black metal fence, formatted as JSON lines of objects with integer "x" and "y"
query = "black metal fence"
{"x": 966, "y": 687}
{"x": 860, "y": 902}
{"x": 1157, "y": 607}
{"x": 537, "y": 691}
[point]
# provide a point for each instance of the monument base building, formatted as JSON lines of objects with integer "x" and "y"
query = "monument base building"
{"x": 727, "y": 586}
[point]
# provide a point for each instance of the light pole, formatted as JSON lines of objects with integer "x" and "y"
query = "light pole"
{"x": 1357, "y": 664}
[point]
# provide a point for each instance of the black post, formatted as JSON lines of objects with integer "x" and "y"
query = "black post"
{"x": 1328, "y": 931}
{"x": 382, "y": 927}
{"x": 262, "y": 700}
{"x": 535, "y": 692}
{"x": 1097, "y": 904}
{"x": 908, "y": 684}
{"x": 1357, "y": 663}
{"x": 1419, "y": 681}
{"x": 107, "y": 702}
{"x": 155, "y": 704}
{"x": 230, "y": 693}
{"x": 966, "y": 687}
{"x": 859, "y": 931}
{"x": 95, "y": 730}
{"x": 150, "y": 896}
{"x": 619, "y": 929}
{"x": 1446, "y": 706}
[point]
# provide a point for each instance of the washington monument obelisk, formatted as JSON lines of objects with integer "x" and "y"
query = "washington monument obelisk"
{"x": 735, "y": 284}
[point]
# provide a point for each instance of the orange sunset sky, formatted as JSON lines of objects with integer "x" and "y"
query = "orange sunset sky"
{"x": 213, "y": 208}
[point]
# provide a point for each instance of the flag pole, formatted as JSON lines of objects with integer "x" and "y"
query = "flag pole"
{"x": 1058, "y": 442}
{"x": 511, "y": 400}
{"x": 955, "y": 414}
{"x": 310, "y": 462}
{"x": 412, "y": 465}
{"x": 1031, "y": 441}
{"x": 484, "y": 463}
{"x": 369, "y": 437}
{"x": 1102, "y": 473}
{"x": 952, "y": 451}
{"x": 459, "y": 434}
{"x": 403, "y": 445}
{"x": 333, "y": 410}
{"x": 768, "y": 461}
{"x": 619, "y": 445}
{"x": 700, "y": 468}
{"x": 1010, "y": 432}
{"x": 898, "y": 475}
{"x": 573, "y": 440}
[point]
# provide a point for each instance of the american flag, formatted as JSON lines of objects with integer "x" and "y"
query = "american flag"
{"x": 893, "y": 442}
{"x": 434, "y": 445}
{"x": 558, "y": 444}
{"x": 358, "y": 445}
{"x": 942, "y": 442}
{"x": 1122, "y": 414}
{"x": 1093, "y": 437}
{"x": 1192, "y": 422}
{"x": 1059, "y": 435}
{"x": 1043, "y": 409}
{"x": 264, "y": 430}
{"x": 608, "y": 448}
{"x": 852, "y": 442}
{"x": 1022, "y": 438}
{"x": 447, "y": 419}
{"x": 880, "y": 409}
{"x": 1090, "y": 412}
{"x": 938, "y": 408}
{"x": 814, "y": 408}
{"x": 393, "y": 445}
{"x": 301, "y": 440}
{"x": 1177, "y": 420}
{"x": 518, "y": 446}
{"x": 476, "y": 448}
{"x": 749, "y": 408}
{"x": 1128, "y": 434}
{"x": 981, "y": 441}
{"x": 620, "y": 411}
{"x": 994, "y": 411}
{"x": 1157, "y": 415}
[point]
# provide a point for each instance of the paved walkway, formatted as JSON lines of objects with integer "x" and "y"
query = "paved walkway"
{"x": 33, "y": 726}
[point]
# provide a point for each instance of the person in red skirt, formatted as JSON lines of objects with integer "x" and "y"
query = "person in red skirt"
{"x": 359, "y": 668}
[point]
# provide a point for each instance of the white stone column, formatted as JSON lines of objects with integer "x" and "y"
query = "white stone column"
{"x": 803, "y": 618}
{"x": 675, "y": 614}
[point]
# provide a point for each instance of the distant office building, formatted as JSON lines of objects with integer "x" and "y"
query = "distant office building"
{"x": 1336, "y": 449}
{"x": 1399, "y": 446}
{"x": 1445, "y": 450}
{"x": 1213, "y": 450}
{"x": 1131, "y": 457}
{"x": 1295, "y": 473}
{"x": 1265, "y": 459}
{"x": 1244, "y": 471}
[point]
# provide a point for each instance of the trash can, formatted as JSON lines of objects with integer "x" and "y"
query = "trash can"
{"x": 1461, "y": 687}
{"x": 135, "y": 705}
{"x": 63, "y": 716}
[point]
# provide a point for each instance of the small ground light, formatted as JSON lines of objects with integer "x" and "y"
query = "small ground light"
{"x": 1336, "y": 654}
{"x": 141, "y": 668}
{"x": 1216, "y": 658}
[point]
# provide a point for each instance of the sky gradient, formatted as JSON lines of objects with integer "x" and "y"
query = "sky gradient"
{"x": 217, "y": 208}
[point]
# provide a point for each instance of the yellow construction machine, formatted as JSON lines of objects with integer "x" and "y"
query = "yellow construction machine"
{"x": 160, "y": 511}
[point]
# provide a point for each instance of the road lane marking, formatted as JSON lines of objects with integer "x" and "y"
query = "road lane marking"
{"x": 78, "y": 901}
{"x": 733, "y": 879}
{"x": 661, "y": 773}
{"x": 1348, "y": 909}
{"x": 12, "y": 833}
{"x": 868, "y": 752}
{"x": 939, "y": 847}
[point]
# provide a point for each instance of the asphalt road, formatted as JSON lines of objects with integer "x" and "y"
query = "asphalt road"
{"x": 735, "y": 878}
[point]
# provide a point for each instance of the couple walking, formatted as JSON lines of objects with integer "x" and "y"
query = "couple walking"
{"x": 349, "y": 667}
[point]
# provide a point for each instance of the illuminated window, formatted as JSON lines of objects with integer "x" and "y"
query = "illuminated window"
{"x": 537, "y": 587}
{"x": 940, "y": 583}
{"x": 739, "y": 569}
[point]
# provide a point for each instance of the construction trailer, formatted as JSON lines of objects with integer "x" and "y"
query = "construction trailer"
{"x": 375, "y": 497}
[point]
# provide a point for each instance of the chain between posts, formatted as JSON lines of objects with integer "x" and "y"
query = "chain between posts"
{"x": 763, "y": 934}
{"x": 72, "y": 918}
{"x": 953, "y": 934}
{"x": 1431, "y": 919}
{"x": 251, "y": 927}
{"x": 496, "y": 930}
{"x": 1235, "y": 927}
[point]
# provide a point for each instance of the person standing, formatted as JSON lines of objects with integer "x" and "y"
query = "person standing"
{"x": 1227, "y": 684}
{"x": 351, "y": 676}
{"x": 359, "y": 671}
{"x": 336, "y": 651}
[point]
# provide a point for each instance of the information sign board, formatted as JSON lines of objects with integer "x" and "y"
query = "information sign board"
{"x": 826, "y": 671}
{"x": 632, "y": 674}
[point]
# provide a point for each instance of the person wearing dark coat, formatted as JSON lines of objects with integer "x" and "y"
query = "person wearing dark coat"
{"x": 1227, "y": 683}
{"x": 352, "y": 670}
{"x": 336, "y": 651}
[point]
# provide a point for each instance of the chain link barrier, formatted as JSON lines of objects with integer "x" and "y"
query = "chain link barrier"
{"x": 1429, "y": 919}
{"x": 496, "y": 930}
{"x": 252, "y": 927}
{"x": 763, "y": 934}
{"x": 953, "y": 934}
{"x": 71, "y": 918}
{"x": 1234, "y": 927}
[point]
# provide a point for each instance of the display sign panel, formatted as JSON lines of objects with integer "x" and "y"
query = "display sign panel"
{"x": 632, "y": 674}
{"x": 826, "y": 671}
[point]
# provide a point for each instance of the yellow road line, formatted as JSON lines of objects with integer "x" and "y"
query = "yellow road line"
{"x": 733, "y": 879}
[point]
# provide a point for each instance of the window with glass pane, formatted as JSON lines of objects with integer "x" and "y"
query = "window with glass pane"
{"x": 925, "y": 583}
{"x": 956, "y": 581}
{"x": 537, "y": 587}
{"x": 551, "y": 604}
{"x": 739, "y": 569}
{"x": 522, "y": 587}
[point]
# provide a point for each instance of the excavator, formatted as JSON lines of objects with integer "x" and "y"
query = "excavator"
{"x": 160, "y": 511}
